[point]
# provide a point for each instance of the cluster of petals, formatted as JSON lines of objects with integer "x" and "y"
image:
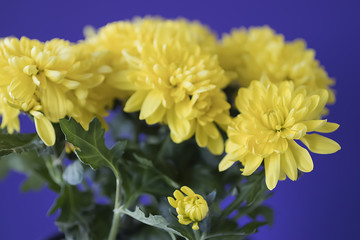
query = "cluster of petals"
{"x": 246, "y": 54}
{"x": 173, "y": 75}
{"x": 273, "y": 119}
{"x": 49, "y": 81}
{"x": 191, "y": 208}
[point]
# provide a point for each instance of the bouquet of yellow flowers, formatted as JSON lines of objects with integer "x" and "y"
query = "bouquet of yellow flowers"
{"x": 185, "y": 108}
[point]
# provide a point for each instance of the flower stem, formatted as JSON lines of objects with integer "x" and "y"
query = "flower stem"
{"x": 116, "y": 218}
{"x": 197, "y": 234}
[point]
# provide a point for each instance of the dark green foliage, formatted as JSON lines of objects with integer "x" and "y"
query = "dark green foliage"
{"x": 146, "y": 162}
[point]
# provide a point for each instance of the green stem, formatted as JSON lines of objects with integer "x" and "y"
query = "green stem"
{"x": 117, "y": 214}
{"x": 163, "y": 148}
{"x": 197, "y": 234}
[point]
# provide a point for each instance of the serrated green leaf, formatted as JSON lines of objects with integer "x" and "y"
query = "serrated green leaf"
{"x": 147, "y": 164}
{"x": 74, "y": 173}
{"x": 91, "y": 144}
{"x": 17, "y": 143}
{"x": 152, "y": 220}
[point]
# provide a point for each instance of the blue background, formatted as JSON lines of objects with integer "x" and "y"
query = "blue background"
{"x": 323, "y": 204}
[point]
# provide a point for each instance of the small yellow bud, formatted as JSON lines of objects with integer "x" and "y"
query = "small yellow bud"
{"x": 190, "y": 208}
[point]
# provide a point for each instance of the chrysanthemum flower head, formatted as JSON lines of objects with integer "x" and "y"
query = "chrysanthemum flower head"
{"x": 45, "y": 80}
{"x": 127, "y": 35}
{"x": 191, "y": 208}
{"x": 247, "y": 54}
{"x": 273, "y": 119}
{"x": 176, "y": 84}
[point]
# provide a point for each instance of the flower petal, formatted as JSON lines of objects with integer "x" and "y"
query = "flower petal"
{"x": 188, "y": 191}
{"x": 272, "y": 170}
{"x": 134, "y": 103}
{"x": 211, "y": 130}
{"x": 251, "y": 163}
{"x": 45, "y": 130}
{"x": 22, "y": 88}
{"x": 151, "y": 103}
{"x": 226, "y": 162}
{"x": 181, "y": 128}
{"x": 313, "y": 125}
{"x": 172, "y": 202}
{"x": 201, "y": 136}
{"x": 54, "y": 102}
{"x": 178, "y": 195}
{"x": 216, "y": 146}
{"x": 288, "y": 164}
{"x": 328, "y": 127}
{"x": 319, "y": 144}
{"x": 302, "y": 157}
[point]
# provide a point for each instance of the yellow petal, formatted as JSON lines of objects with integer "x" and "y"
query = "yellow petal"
{"x": 184, "y": 221}
{"x": 182, "y": 128}
{"x": 178, "y": 195}
{"x": 134, "y": 103}
{"x": 184, "y": 108}
{"x": 281, "y": 145}
{"x": 172, "y": 202}
{"x": 54, "y": 102}
{"x": 288, "y": 164}
{"x": 22, "y": 88}
{"x": 313, "y": 125}
{"x": 216, "y": 146}
{"x": 251, "y": 163}
{"x": 319, "y": 144}
{"x": 151, "y": 103}
{"x": 188, "y": 191}
{"x": 201, "y": 136}
{"x": 272, "y": 170}
{"x": 282, "y": 175}
{"x": 157, "y": 116}
{"x": 195, "y": 226}
{"x": 302, "y": 157}
{"x": 45, "y": 130}
{"x": 226, "y": 162}
{"x": 211, "y": 130}
{"x": 121, "y": 80}
{"x": 54, "y": 75}
{"x": 328, "y": 127}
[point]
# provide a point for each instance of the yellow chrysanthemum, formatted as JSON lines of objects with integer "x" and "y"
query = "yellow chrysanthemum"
{"x": 9, "y": 115}
{"x": 45, "y": 79}
{"x": 179, "y": 85}
{"x": 130, "y": 36}
{"x": 190, "y": 208}
{"x": 127, "y": 35}
{"x": 247, "y": 54}
{"x": 273, "y": 117}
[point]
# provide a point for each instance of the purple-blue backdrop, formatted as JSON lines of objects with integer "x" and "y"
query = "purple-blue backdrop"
{"x": 323, "y": 204}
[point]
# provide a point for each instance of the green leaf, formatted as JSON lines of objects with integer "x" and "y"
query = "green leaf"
{"x": 91, "y": 144}
{"x": 157, "y": 221}
{"x": 74, "y": 173}
{"x": 264, "y": 211}
{"x": 35, "y": 166}
{"x": 17, "y": 143}
{"x": 75, "y": 212}
{"x": 147, "y": 164}
{"x": 252, "y": 227}
{"x": 33, "y": 182}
